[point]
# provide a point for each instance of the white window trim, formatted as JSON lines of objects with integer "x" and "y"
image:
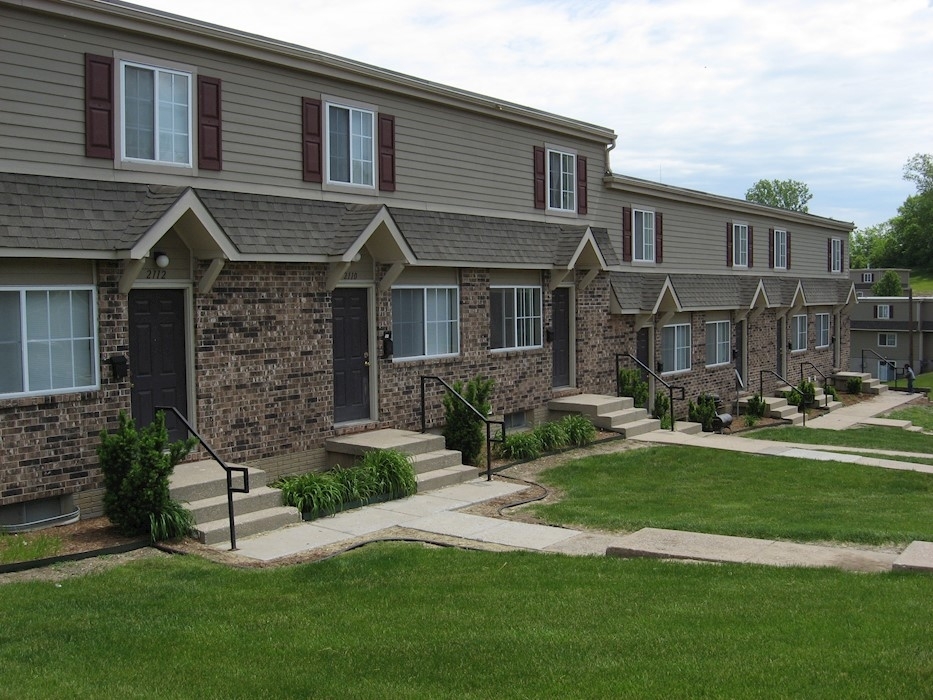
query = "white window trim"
{"x": 836, "y": 255}
{"x": 795, "y": 333}
{"x": 351, "y": 106}
{"x": 887, "y": 336}
{"x": 540, "y": 316}
{"x": 868, "y": 277}
{"x": 718, "y": 342}
{"x": 638, "y": 255}
{"x": 24, "y": 340}
{"x": 563, "y": 152}
{"x": 782, "y": 233}
{"x": 121, "y": 161}
{"x": 424, "y": 320}
{"x": 689, "y": 346}
{"x": 819, "y": 329}
{"x": 887, "y": 311}
{"x": 736, "y": 230}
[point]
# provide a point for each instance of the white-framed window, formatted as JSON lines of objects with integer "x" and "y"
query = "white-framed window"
{"x": 562, "y": 181}
{"x": 868, "y": 277}
{"x": 883, "y": 311}
{"x": 822, "y": 330}
{"x": 156, "y": 114}
{"x": 798, "y": 332}
{"x": 887, "y": 340}
{"x": 675, "y": 348}
{"x": 48, "y": 340}
{"x": 643, "y": 235}
{"x": 351, "y": 146}
{"x": 780, "y": 249}
{"x": 425, "y": 321}
{"x": 718, "y": 342}
{"x": 515, "y": 317}
{"x": 836, "y": 255}
{"x": 740, "y": 245}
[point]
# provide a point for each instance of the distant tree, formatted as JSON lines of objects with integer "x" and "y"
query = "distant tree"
{"x": 872, "y": 246}
{"x": 912, "y": 228}
{"x": 888, "y": 286}
{"x": 784, "y": 194}
{"x": 919, "y": 170}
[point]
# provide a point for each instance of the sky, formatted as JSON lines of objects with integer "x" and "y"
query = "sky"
{"x": 710, "y": 95}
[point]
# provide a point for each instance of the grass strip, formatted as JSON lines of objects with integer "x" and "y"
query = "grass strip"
{"x": 870, "y": 436}
{"x": 728, "y": 493}
{"x": 406, "y": 621}
{"x": 28, "y": 546}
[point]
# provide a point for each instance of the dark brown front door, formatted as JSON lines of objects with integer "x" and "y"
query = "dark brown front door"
{"x": 158, "y": 368}
{"x": 560, "y": 338}
{"x": 351, "y": 355}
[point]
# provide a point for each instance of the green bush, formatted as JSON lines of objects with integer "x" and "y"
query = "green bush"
{"x": 662, "y": 408}
{"x": 831, "y": 392}
{"x": 520, "y": 446}
{"x": 551, "y": 436}
{"x": 631, "y": 384}
{"x": 463, "y": 430}
{"x": 806, "y": 390}
{"x": 757, "y": 407}
{"x": 379, "y": 473}
{"x": 136, "y": 464}
{"x": 580, "y": 430}
{"x": 854, "y": 385}
{"x": 751, "y": 419}
{"x": 702, "y": 412}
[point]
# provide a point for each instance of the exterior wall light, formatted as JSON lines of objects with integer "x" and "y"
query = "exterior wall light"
{"x": 161, "y": 260}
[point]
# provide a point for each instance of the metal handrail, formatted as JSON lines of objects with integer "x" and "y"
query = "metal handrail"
{"x": 820, "y": 372}
{"x": 739, "y": 387}
{"x": 488, "y": 421}
{"x": 761, "y": 390}
{"x": 889, "y": 363}
{"x": 231, "y": 489}
{"x": 670, "y": 388}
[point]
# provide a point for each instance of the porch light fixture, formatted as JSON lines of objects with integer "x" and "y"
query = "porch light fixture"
{"x": 161, "y": 260}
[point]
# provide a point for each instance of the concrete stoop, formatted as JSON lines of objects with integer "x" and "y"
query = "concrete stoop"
{"x": 607, "y": 413}
{"x": 202, "y": 488}
{"x": 435, "y": 466}
{"x": 777, "y": 407}
{"x": 870, "y": 385}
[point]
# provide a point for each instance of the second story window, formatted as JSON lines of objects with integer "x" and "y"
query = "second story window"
{"x": 780, "y": 249}
{"x": 884, "y": 311}
{"x": 835, "y": 255}
{"x": 350, "y": 146}
{"x": 740, "y": 245}
{"x": 868, "y": 277}
{"x": 562, "y": 180}
{"x": 643, "y": 235}
{"x": 156, "y": 114}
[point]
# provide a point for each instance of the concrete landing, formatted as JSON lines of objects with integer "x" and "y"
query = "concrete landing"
{"x": 917, "y": 557}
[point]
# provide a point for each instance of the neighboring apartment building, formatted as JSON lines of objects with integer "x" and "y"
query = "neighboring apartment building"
{"x": 281, "y": 243}
{"x": 866, "y": 278}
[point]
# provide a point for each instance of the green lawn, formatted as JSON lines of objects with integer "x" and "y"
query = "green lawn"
{"x": 404, "y": 621}
{"x": 921, "y": 416}
{"x": 870, "y": 436}
{"x": 728, "y": 493}
{"x": 921, "y": 281}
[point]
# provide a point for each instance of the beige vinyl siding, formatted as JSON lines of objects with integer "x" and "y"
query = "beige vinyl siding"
{"x": 39, "y": 273}
{"x": 446, "y": 158}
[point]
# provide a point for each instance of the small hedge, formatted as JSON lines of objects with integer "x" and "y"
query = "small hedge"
{"x": 757, "y": 407}
{"x": 702, "y": 412}
{"x": 380, "y": 473}
{"x": 854, "y": 385}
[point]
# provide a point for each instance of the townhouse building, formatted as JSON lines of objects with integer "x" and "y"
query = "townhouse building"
{"x": 280, "y": 243}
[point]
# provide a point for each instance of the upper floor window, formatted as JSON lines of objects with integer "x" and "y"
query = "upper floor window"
{"x": 718, "y": 342}
{"x": 887, "y": 340}
{"x": 425, "y": 321}
{"x": 643, "y": 235}
{"x": 780, "y": 249}
{"x": 675, "y": 348}
{"x": 515, "y": 317}
{"x": 740, "y": 245}
{"x": 157, "y": 114}
{"x": 835, "y": 255}
{"x": 868, "y": 277}
{"x": 48, "y": 340}
{"x": 798, "y": 333}
{"x": 822, "y": 330}
{"x": 350, "y": 146}
{"x": 884, "y": 311}
{"x": 562, "y": 180}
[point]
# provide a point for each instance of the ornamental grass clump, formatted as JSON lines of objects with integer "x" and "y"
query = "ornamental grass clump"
{"x": 551, "y": 436}
{"x": 580, "y": 430}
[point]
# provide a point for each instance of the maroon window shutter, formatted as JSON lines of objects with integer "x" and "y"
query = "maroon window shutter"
{"x": 210, "y": 134}
{"x": 311, "y": 141}
{"x": 890, "y": 310}
{"x": 875, "y": 311}
{"x": 771, "y": 248}
{"x": 829, "y": 254}
{"x": 658, "y": 237}
{"x": 751, "y": 248}
{"x": 842, "y": 256}
{"x": 386, "y": 153}
{"x": 581, "y": 185}
{"x": 627, "y": 234}
{"x": 788, "y": 250}
{"x": 98, "y": 106}
{"x": 540, "y": 178}
{"x": 728, "y": 245}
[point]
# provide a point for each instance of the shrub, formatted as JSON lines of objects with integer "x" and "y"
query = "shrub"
{"x": 463, "y": 430}
{"x": 136, "y": 465}
{"x": 631, "y": 384}
{"x": 831, "y": 392}
{"x": 854, "y": 385}
{"x": 806, "y": 391}
{"x": 521, "y": 446}
{"x": 750, "y": 420}
{"x": 662, "y": 409}
{"x": 702, "y": 412}
{"x": 757, "y": 407}
{"x": 580, "y": 430}
{"x": 551, "y": 436}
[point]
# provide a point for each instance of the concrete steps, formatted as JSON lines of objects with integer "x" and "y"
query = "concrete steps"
{"x": 607, "y": 413}
{"x": 870, "y": 385}
{"x": 435, "y": 466}
{"x": 202, "y": 487}
{"x": 777, "y": 407}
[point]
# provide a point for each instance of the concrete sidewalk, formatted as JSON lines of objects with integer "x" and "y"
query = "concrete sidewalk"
{"x": 439, "y": 514}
